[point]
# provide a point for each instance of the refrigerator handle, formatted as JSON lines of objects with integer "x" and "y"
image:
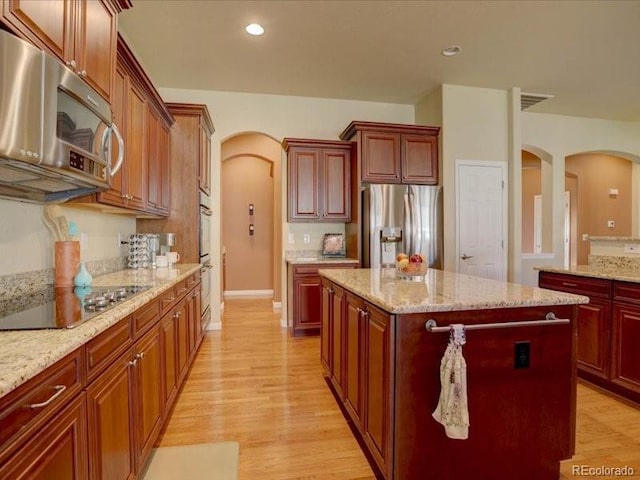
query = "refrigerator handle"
{"x": 408, "y": 225}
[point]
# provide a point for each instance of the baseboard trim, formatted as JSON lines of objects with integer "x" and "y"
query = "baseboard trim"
{"x": 283, "y": 323}
{"x": 277, "y": 305}
{"x": 221, "y": 306}
{"x": 247, "y": 293}
{"x": 214, "y": 326}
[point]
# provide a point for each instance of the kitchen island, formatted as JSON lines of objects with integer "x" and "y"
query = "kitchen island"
{"x": 383, "y": 366}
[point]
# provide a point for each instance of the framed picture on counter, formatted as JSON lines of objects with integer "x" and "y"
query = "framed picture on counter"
{"x": 333, "y": 245}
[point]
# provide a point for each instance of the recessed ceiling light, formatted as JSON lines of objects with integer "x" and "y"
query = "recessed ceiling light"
{"x": 254, "y": 29}
{"x": 451, "y": 50}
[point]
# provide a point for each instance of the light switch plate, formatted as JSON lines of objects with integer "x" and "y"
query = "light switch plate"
{"x": 611, "y": 223}
{"x": 291, "y": 239}
{"x": 306, "y": 238}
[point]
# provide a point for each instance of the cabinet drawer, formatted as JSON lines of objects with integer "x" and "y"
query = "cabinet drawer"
{"x": 106, "y": 347}
{"x": 167, "y": 300}
{"x": 34, "y": 402}
{"x": 181, "y": 288}
{"x": 626, "y": 292}
{"x": 145, "y": 317}
{"x": 575, "y": 284}
{"x": 192, "y": 280}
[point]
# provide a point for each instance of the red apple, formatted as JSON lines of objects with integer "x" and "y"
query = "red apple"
{"x": 416, "y": 258}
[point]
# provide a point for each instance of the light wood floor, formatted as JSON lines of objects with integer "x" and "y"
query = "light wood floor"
{"x": 254, "y": 384}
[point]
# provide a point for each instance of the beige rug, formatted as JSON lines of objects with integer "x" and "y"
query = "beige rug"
{"x": 205, "y": 461}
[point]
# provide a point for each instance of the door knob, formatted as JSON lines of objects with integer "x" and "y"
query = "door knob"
{"x": 465, "y": 256}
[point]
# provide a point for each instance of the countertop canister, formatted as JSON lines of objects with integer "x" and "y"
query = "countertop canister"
{"x": 67, "y": 262}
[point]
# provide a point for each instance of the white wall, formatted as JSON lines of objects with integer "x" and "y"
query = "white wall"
{"x": 27, "y": 245}
{"x": 475, "y": 126}
{"x": 277, "y": 116}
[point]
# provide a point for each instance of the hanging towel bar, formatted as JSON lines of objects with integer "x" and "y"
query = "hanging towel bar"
{"x": 432, "y": 326}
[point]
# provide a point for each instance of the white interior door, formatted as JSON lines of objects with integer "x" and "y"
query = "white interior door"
{"x": 537, "y": 224}
{"x": 481, "y": 220}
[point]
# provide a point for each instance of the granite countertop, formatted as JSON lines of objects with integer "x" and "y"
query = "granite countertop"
{"x": 25, "y": 353}
{"x": 441, "y": 291}
{"x": 319, "y": 260}
{"x": 610, "y": 272}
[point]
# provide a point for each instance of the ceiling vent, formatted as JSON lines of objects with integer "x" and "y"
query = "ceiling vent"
{"x": 530, "y": 99}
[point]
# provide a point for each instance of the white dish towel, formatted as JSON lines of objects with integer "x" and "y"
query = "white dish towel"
{"x": 452, "y": 410}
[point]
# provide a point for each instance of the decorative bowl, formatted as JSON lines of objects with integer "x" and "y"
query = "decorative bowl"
{"x": 411, "y": 269}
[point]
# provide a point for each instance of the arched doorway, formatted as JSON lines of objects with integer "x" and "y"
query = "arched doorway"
{"x": 251, "y": 219}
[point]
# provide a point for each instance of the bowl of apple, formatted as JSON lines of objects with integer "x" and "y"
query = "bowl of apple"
{"x": 411, "y": 265}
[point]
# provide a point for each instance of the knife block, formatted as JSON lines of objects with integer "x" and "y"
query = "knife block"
{"x": 67, "y": 262}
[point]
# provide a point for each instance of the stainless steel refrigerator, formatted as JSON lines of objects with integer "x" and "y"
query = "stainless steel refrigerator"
{"x": 401, "y": 218}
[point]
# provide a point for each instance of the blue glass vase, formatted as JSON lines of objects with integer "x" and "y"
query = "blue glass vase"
{"x": 83, "y": 277}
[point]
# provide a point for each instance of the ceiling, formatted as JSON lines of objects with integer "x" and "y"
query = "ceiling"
{"x": 585, "y": 53}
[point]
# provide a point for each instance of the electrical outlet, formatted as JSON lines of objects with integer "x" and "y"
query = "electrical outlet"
{"x": 306, "y": 238}
{"x": 611, "y": 223}
{"x": 291, "y": 239}
{"x": 585, "y": 237}
{"x": 522, "y": 355}
{"x": 631, "y": 248}
{"x": 120, "y": 240}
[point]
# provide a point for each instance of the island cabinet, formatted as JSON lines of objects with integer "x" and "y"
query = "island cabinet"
{"x": 389, "y": 374}
{"x": 395, "y": 153}
{"x": 608, "y": 330}
{"x": 319, "y": 175}
{"x": 80, "y": 33}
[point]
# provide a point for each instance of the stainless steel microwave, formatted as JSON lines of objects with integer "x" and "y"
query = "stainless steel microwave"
{"x": 55, "y": 130}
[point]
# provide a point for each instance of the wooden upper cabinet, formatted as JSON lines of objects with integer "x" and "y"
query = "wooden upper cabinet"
{"x": 395, "y": 153}
{"x": 204, "y": 165}
{"x": 380, "y": 157}
{"x": 319, "y": 177}
{"x": 82, "y": 34}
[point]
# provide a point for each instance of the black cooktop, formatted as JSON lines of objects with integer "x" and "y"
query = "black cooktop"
{"x": 62, "y": 307}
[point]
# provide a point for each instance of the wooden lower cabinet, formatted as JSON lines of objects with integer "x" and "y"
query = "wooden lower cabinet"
{"x": 326, "y": 329}
{"x": 378, "y": 344}
{"x": 57, "y": 451}
{"x": 110, "y": 422}
{"x": 181, "y": 316}
{"x": 353, "y": 351}
{"x": 594, "y": 336}
{"x": 305, "y": 296}
{"x": 168, "y": 343}
{"x": 625, "y": 354}
{"x": 148, "y": 401}
{"x": 608, "y": 330}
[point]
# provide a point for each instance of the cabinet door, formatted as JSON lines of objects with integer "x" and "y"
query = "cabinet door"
{"x": 168, "y": 343}
{"x": 110, "y": 417}
{"x": 380, "y": 157}
{"x": 338, "y": 337}
{"x": 148, "y": 401}
{"x": 152, "y": 161}
{"x": 95, "y": 44}
{"x": 181, "y": 316}
{"x": 57, "y": 451}
{"x": 204, "y": 175}
{"x": 165, "y": 172}
{"x": 377, "y": 393}
{"x": 336, "y": 185}
{"x": 625, "y": 354}
{"x": 419, "y": 159}
{"x": 353, "y": 357}
{"x": 594, "y": 334}
{"x": 307, "y": 294}
{"x": 193, "y": 300}
{"x": 135, "y": 148}
{"x": 116, "y": 194}
{"x": 304, "y": 184}
{"x": 46, "y": 23}
{"x": 326, "y": 327}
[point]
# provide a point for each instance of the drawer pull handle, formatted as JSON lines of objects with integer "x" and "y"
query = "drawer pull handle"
{"x": 567, "y": 284}
{"x": 133, "y": 362}
{"x": 58, "y": 391}
{"x": 182, "y": 290}
{"x": 168, "y": 300}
